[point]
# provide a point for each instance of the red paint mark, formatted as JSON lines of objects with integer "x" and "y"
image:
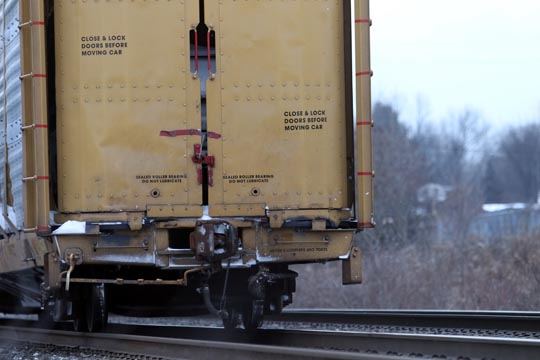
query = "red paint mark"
{"x": 364, "y": 123}
{"x": 38, "y": 22}
{"x": 199, "y": 175}
{"x": 363, "y": 73}
{"x": 42, "y": 126}
{"x": 213, "y": 135}
{"x": 175, "y": 133}
{"x": 362, "y": 21}
{"x": 365, "y": 174}
{"x": 43, "y": 228}
{"x": 210, "y": 176}
{"x": 39, "y": 75}
{"x": 190, "y": 132}
{"x": 42, "y": 177}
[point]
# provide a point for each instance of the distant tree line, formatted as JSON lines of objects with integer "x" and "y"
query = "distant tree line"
{"x": 462, "y": 157}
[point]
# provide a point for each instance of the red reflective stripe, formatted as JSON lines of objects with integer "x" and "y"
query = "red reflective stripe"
{"x": 42, "y": 177}
{"x": 38, "y": 22}
{"x": 365, "y": 174}
{"x": 364, "y": 123}
{"x": 364, "y": 21}
{"x": 42, "y": 126}
{"x": 43, "y": 228}
{"x": 363, "y": 73}
{"x": 174, "y": 133}
{"x": 39, "y": 75}
{"x": 186, "y": 132}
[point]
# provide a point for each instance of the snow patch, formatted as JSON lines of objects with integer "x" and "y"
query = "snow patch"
{"x": 501, "y": 207}
{"x": 71, "y": 227}
{"x": 238, "y": 263}
{"x": 205, "y": 214}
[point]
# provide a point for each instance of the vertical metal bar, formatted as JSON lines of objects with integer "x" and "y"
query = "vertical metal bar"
{"x": 39, "y": 100}
{"x": 363, "y": 75}
{"x": 350, "y": 103}
{"x": 27, "y": 116}
{"x": 35, "y": 140}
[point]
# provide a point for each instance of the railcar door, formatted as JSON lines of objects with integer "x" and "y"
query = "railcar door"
{"x": 128, "y": 107}
{"x": 277, "y": 100}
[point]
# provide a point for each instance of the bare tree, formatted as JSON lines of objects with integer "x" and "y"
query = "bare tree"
{"x": 398, "y": 174}
{"x": 465, "y": 163}
{"x": 520, "y": 149}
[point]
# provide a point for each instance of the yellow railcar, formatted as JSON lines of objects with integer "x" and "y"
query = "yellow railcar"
{"x": 171, "y": 154}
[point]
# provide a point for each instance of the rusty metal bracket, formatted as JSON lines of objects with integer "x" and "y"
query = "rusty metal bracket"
{"x": 199, "y": 158}
{"x": 214, "y": 240}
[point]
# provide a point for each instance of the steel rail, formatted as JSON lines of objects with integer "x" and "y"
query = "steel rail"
{"x": 486, "y": 320}
{"x": 175, "y": 348}
{"x": 405, "y": 346}
{"x": 207, "y": 343}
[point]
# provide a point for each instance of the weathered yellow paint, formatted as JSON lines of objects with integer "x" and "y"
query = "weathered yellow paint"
{"x": 352, "y": 268}
{"x": 249, "y": 209}
{"x": 278, "y": 65}
{"x": 171, "y": 211}
{"x": 112, "y": 106}
{"x": 290, "y": 245}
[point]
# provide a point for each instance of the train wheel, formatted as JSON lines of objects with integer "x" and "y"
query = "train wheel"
{"x": 79, "y": 314}
{"x": 252, "y": 316}
{"x": 45, "y": 317}
{"x": 233, "y": 320}
{"x": 96, "y": 308}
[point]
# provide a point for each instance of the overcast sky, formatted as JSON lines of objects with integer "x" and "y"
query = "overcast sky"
{"x": 455, "y": 54}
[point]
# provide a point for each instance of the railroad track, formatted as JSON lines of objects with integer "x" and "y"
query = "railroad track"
{"x": 192, "y": 343}
{"x": 484, "y": 320}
